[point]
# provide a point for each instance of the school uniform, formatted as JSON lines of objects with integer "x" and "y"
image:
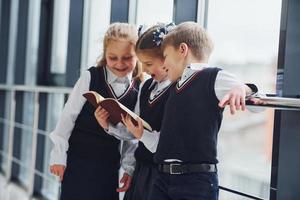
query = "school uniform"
{"x": 153, "y": 97}
{"x": 93, "y": 157}
{"x": 186, "y": 153}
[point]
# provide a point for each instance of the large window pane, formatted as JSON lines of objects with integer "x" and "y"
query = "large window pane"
{"x": 95, "y": 25}
{"x": 32, "y": 42}
{"x": 60, "y": 36}
{"x": 246, "y": 37}
{"x": 151, "y": 12}
{"x": 5, "y": 129}
{"x": 26, "y": 141}
{"x": 54, "y": 108}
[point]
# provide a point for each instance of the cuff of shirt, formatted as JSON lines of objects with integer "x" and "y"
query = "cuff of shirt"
{"x": 253, "y": 88}
{"x": 58, "y": 158}
{"x": 129, "y": 171}
{"x": 110, "y": 129}
{"x": 119, "y": 132}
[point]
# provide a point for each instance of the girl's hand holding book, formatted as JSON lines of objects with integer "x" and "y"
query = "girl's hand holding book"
{"x": 102, "y": 117}
{"x": 137, "y": 131}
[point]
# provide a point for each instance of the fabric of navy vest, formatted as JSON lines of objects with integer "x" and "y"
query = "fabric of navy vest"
{"x": 152, "y": 112}
{"x": 88, "y": 139}
{"x": 192, "y": 120}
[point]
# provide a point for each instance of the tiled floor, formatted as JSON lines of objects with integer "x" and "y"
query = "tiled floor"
{"x": 11, "y": 191}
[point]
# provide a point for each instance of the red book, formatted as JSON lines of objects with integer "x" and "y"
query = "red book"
{"x": 114, "y": 108}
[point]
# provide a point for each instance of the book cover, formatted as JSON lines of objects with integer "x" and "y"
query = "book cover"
{"x": 114, "y": 108}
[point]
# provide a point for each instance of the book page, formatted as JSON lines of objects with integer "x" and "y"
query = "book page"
{"x": 98, "y": 96}
{"x": 135, "y": 116}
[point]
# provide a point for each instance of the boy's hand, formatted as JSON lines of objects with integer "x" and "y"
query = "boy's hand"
{"x": 102, "y": 117}
{"x": 235, "y": 98}
{"x": 58, "y": 170}
{"x": 256, "y": 101}
{"x": 137, "y": 131}
{"x": 126, "y": 180}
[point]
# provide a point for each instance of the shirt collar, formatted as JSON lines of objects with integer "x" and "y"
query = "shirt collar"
{"x": 194, "y": 67}
{"x": 163, "y": 84}
{"x": 197, "y": 66}
{"x": 112, "y": 78}
{"x": 160, "y": 85}
{"x": 190, "y": 69}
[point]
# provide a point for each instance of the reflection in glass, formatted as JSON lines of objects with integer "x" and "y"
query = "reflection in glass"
{"x": 54, "y": 109}
{"x": 246, "y": 44}
{"x": 94, "y": 25}
{"x": 60, "y": 36}
{"x": 26, "y": 137}
{"x": 151, "y": 12}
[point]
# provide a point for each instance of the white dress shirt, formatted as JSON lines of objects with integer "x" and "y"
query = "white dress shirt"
{"x": 225, "y": 81}
{"x": 66, "y": 123}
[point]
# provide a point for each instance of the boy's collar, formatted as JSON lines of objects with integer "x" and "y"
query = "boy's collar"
{"x": 161, "y": 84}
{"x": 188, "y": 71}
{"x": 111, "y": 77}
{"x": 197, "y": 66}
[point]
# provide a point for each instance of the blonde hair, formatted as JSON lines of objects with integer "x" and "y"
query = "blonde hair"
{"x": 121, "y": 31}
{"x": 195, "y": 36}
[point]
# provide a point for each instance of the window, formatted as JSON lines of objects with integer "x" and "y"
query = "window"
{"x": 60, "y": 36}
{"x": 94, "y": 27}
{"x": 151, "y": 12}
{"x": 50, "y": 184}
{"x": 246, "y": 43}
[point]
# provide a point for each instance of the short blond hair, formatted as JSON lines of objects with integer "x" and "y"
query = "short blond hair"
{"x": 194, "y": 35}
{"x": 121, "y": 31}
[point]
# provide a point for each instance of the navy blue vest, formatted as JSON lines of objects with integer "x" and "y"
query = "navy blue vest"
{"x": 192, "y": 120}
{"x": 152, "y": 112}
{"x": 88, "y": 139}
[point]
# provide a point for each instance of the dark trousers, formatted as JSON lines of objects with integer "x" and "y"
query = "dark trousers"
{"x": 142, "y": 182}
{"x": 193, "y": 186}
{"x": 87, "y": 179}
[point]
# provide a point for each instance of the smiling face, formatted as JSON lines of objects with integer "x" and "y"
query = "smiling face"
{"x": 174, "y": 62}
{"x": 120, "y": 57}
{"x": 154, "y": 66}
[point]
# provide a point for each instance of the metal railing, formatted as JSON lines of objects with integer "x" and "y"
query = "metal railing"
{"x": 35, "y": 90}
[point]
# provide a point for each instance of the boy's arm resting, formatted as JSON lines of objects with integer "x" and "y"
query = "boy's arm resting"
{"x": 127, "y": 156}
{"x": 253, "y": 90}
{"x": 65, "y": 125}
{"x": 225, "y": 82}
{"x": 150, "y": 140}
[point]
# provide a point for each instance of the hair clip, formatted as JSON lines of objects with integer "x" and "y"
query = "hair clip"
{"x": 159, "y": 33}
{"x": 142, "y": 29}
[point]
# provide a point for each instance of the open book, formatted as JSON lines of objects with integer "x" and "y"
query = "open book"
{"x": 114, "y": 108}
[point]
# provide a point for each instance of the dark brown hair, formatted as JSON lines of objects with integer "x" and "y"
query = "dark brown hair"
{"x": 145, "y": 43}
